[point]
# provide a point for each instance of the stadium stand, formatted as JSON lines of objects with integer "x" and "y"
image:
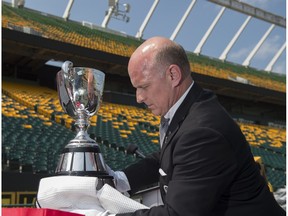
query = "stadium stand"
{"x": 56, "y": 28}
{"x": 37, "y": 115}
{"x": 35, "y": 130}
{"x": 270, "y": 144}
{"x": 71, "y": 32}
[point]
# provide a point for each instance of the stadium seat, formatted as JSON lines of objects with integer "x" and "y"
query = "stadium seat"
{"x": 35, "y": 131}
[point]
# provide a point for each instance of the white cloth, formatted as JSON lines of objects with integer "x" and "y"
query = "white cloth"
{"x": 280, "y": 196}
{"x": 78, "y": 194}
{"x": 116, "y": 202}
{"x": 68, "y": 192}
{"x": 91, "y": 212}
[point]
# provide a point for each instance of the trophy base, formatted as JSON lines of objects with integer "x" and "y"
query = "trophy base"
{"x": 82, "y": 158}
{"x": 102, "y": 179}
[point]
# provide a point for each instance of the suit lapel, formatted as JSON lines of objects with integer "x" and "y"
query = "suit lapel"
{"x": 180, "y": 115}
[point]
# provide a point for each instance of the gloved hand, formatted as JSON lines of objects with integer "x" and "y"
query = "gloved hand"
{"x": 121, "y": 181}
{"x": 106, "y": 213}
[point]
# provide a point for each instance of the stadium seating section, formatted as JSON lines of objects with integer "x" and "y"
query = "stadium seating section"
{"x": 73, "y": 32}
{"x": 35, "y": 131}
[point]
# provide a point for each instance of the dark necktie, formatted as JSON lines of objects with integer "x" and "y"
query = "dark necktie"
{"x": 164, "y": 123}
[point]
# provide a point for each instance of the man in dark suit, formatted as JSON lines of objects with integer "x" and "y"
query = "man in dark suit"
{"x": 204, "y": 166}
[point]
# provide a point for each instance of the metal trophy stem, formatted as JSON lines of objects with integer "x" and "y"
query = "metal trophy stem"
{"x": 80, "y": 93}
{"x": 82, "y": 124}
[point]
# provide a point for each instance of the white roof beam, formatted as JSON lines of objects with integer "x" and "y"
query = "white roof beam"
{"x": 275, "y": 58}
{"x": 139, "y": 34}
{"x": 208, "y": 32}
{"x": 183, "y": 19}
{"x": 223, "y": 56}
{"x": 258, "y": 45}
{"x": 66, "y": 14}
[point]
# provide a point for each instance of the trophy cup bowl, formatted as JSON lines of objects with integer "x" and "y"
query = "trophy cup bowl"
{"x": 80, "y": 91}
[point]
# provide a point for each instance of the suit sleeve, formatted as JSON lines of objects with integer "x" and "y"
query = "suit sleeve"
{"x": 204, "y": 166}
{"x": 143, "y": 173}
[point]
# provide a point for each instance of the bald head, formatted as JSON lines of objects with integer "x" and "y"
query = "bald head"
{"x": 161, "y": 52}
{"x": 160, "y": 72}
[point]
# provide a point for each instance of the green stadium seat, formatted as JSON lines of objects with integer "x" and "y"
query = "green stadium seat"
{"x": 34, "y": 135}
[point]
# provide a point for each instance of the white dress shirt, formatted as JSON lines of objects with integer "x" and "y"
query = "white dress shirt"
{"x": 171, "y": 112}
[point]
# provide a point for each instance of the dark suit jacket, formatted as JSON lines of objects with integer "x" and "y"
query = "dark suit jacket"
{"x": 209, "y": 166}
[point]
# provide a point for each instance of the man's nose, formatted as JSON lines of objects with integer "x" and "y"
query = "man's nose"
{"x": 139, "y": 97}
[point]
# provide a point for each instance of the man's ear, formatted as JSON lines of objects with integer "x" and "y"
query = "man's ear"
{"x": 174, "y": 74}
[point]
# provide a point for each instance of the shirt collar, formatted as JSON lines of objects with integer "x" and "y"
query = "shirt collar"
{"x": 169, "y": 115}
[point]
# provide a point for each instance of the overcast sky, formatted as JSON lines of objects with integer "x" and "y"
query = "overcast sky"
{"x": 169, "y": 12}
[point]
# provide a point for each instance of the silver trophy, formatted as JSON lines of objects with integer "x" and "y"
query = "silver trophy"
{"x": 80, "y": 91}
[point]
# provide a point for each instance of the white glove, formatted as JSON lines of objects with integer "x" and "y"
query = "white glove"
{"x": 106, "y": 213}
{"x": 121, "y": 181}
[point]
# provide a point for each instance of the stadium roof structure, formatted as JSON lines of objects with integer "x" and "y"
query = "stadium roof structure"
{"x": 236, "y": 39}
{"x": 115, "y": 11}
{"x": 31, "y": 38}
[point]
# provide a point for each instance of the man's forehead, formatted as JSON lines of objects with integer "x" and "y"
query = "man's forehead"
{"x": 139, "y": 79}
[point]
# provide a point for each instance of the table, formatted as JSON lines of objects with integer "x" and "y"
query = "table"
{"x": 35, "y": 212}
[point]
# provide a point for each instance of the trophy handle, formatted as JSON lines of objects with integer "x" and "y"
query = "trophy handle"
{"x": 66, "y": 67}
{"x": 65, "y": 95}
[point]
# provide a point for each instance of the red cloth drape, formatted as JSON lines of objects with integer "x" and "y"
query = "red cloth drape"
{"x": 35, "y": 212}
